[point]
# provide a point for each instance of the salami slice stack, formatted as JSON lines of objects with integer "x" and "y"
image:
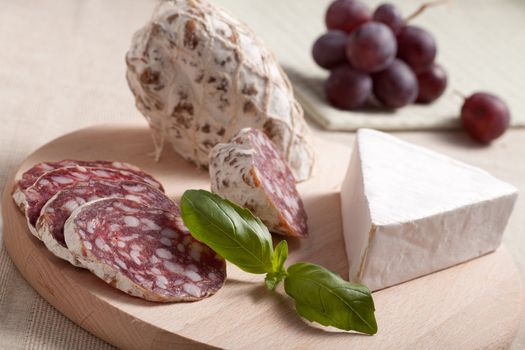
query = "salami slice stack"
{"x": 50, "y": 224}
{"x": 31, "y": 175}
{"x": 48, "y": 184}
{"x": 115, "y": 220}
{"x": 251, "y": 172}
{"x": 156, "y": 258}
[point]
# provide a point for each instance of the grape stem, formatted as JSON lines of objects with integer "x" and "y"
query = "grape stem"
{"x": 424, "y": 7}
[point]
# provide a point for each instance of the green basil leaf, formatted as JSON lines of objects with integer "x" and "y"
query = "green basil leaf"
{"x": 279, "y": 272}
{"x": 231, "y": 231}
{"x": 322, "y": 296}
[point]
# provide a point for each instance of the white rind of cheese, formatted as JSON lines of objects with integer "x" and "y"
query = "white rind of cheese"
{"x": 408, "y": 211}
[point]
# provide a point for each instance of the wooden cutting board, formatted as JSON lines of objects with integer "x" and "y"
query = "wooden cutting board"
{"x": 470, "y": 306}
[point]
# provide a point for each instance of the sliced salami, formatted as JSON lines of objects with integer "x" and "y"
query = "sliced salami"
{"x": 30, "y": 176}
{"x": 50, "y": 224}
{"x": 47, "y": 185}
{"x": 142, "y": 251}
{"x": 251, "y": 172}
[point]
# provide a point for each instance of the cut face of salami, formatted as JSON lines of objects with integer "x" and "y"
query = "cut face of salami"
{"x": 47, "y": 185}
{"x": 50, "y": 224}
{"x": 142, "y": 251}
{"x": 31, "y": 175}
{"x": 251, "y": 172}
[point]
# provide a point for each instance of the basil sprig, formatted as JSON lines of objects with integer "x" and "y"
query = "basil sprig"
{"x": 241, "y": 238}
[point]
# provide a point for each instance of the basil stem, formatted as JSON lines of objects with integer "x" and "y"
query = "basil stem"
{"x": 279, "y": 272}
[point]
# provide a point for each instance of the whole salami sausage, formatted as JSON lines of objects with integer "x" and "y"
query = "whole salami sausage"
{"x": 30, "y": 176}
{"x": 50, "y": 224}
{"x": 47, "y": 185}
{"x": 251, "y": 172}
{"x": 199, "y": 76}
{"x": 143, "y": 251}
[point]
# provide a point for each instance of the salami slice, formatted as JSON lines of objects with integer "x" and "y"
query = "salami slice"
{"x": 47, "y": 185}
{"x": 143, "y": 251}
{"x": 50, "y": 224}
{"x": 30, "y": 176}
{"x": 251, "y": 172}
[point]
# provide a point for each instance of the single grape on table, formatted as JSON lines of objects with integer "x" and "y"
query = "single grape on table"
{"x": 485, "y": 116}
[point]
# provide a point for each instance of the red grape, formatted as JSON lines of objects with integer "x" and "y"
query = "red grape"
{"x": 389, "y": 15}
{"x": 432, "y": 83}
{"x": 346, "y": 15}
{"x": 371, "y": 47}
{"x": 396, "y": 86}
{"x": 416, "y": 47}
{"x": 347, "y": 88}
{"x": 485, "y": 116}
{"x": 329, "y": 49}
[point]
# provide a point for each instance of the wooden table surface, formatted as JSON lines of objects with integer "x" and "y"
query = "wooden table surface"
{"x": 62, "y": 68}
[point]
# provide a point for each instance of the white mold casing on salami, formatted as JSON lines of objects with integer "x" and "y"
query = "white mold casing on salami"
{"x": 30, "y": 176}
{"x": 199, "y": 76}
{"x": 408, "y": 211}
{"x": 47, "y": 185}
{"x": 50, "y": 224}
{"x": 145, "y": 252}
{"x": 252, "y": 173}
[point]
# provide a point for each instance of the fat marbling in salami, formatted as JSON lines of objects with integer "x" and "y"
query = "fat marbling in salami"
{"x": 50, "y": 224}
{"x": 30, "y": 176}
{"x": 143, "y": 251}
{"x": 47, "y": 185}
{"x": 251, "y": 172}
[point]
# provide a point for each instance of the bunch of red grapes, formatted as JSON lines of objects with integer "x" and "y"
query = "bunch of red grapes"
{"x": 379, "y": 54}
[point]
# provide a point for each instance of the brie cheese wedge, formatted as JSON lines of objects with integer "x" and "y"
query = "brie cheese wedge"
{"x": 408, "y": 211}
